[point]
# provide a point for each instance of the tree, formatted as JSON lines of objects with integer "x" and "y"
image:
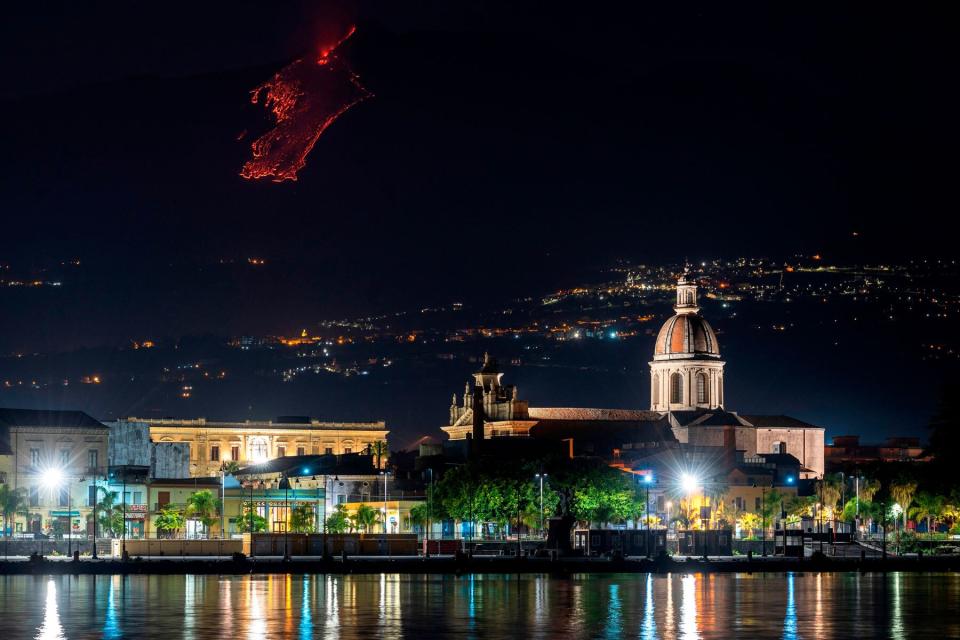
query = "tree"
{"x": 203, "y": 506}
{"x": 419, "y": 515}
{"x": 338, "y": 521}
{"x": 301, "y": 519}
{"x": 828, "y": 489}
{"x": 110, "y": 512}
{"x": 379, "y": 451}
{"x": 250, "y": 521}
{"x": 749, "y": 522}
{"x": 13, "y": 502}
{"x": 170, "y": 520}
{"x": 902, "y": 491}
{"x": 927, "y": 507}
{"x": 365, "y": 517}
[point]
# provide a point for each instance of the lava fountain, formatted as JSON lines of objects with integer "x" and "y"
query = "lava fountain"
{"x": 305, "y": 98}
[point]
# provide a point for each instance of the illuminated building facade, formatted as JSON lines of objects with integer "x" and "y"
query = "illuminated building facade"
{"x": 687, "y": 395}
{"x": 213, "y": 443}
{"x": 66, "y": 446}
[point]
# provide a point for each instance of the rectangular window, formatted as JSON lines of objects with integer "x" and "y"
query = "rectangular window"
{"x": 341, "y": 499}
{"x": 93, "y": 458}
{"x": 91, "y": 495}
{"x": 34, "y": 496}
{"x": 64, "y": 497}
{"x": 64, "y": 458}
{"x": 126, "y": 497}
{"x": 301, "y": 451}
{"x": 328, "y": 450}
{"x": 281, "y": 451}
{"x": 235, "y": 454}
{"x": 138, "y": 497}
{"x": 35, "y": 457}
{"x": 215, "y": 453}
{"x": 347, "y": 450}
{"x": 756, "y": 504}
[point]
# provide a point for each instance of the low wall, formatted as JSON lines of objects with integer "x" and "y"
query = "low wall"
{"x": 175, "y": 548}
{"x": 22, "y": 547}
{"x": 300, "y": 544}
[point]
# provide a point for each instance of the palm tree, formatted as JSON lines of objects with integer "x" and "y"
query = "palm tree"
{"x": 301, "y": 519}
{"x": 902, "y": 491}
{"x": 109, "y": 512}
{"x": 928, "y": 507}
{"x": 365, "y": 517}
{"x": 203, "y": 506}
{"x": 12, "y": 503}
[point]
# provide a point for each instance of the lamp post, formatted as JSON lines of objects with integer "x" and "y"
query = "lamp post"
{"x": 96, "y": 496}
{"x": 541, "y": 476}
{"x": 429, "y": 507}
{"x": 54, "y": 479}
{"x": 689, "y": 484}
{"x": 821, "y": 513}
{"x": 647, "y": 481}
{"x": 285, "y": 485}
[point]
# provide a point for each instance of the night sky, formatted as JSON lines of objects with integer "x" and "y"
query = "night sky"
{"x": 507, "y": 149}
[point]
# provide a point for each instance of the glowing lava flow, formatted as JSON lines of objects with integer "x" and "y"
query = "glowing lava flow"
{"x": 305, "y": 97}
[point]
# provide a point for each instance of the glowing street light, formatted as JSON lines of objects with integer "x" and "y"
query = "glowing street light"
{"x": 689, "y": 482}
{"x": 53, "y": 479}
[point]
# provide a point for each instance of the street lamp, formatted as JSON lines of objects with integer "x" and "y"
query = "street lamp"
{"x": 541, "y": 476}
{"x": 647, "y": 481}
{"x": 763, "y": 518}
{"x": 53, "y": 479}
{"x": 285, "y": 485}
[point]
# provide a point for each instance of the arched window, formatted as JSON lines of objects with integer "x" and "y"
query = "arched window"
{"x": 702, "y": 394}
{"x": 676, "y": 388}
{"x": 656, "y": 389}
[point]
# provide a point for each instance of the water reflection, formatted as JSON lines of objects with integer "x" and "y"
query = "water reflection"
{"x": 673, "y": 607}
{"x": 648, "y": 630}
{"x": 51, "y": 628}
{"x": 688, "y": 609}
{"x": 790, "y": 618}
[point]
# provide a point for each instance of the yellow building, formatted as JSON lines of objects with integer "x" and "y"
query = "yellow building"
{"x": 213, "y": 443}
{"x": 53, "y": 458}
{"x": 175, "y": 494}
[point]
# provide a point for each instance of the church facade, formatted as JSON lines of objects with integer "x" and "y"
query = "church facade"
{"x": 686, "y": 398}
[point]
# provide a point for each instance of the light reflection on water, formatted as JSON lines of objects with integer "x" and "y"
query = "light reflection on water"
{"x": 674, "y": 606}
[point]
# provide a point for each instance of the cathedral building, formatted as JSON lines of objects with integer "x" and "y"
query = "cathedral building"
{"x": 687, "y": 404}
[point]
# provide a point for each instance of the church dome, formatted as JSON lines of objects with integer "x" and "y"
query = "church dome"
{"x": 686, "y": 335}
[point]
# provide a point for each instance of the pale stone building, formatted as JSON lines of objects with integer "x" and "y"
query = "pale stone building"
{"x": 54, "y": 458}
{"x": 213, "y": 443}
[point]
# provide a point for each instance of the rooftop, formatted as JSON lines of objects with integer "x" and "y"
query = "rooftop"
{"x": 47, "y": 418}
